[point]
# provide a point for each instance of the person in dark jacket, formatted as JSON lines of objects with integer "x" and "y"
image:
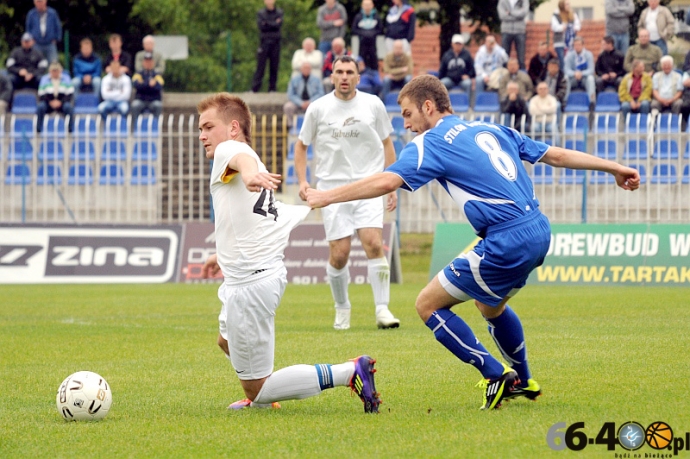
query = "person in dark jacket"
{"x": 87, "y": 69}
{"x": 538, "y": 63}
{"x": 609, "y": 67}
{"x": 5, "y": 92}
{"x": 26, "y": 64}
{"x": 367, "y": 26}
{"x": 400, "y": 25}
{"x": 118, "y": 54}
{"x": 457, "y": 66}
{"x": 514, "y": 104}
{"x": 269, "y": 20}
{"x": 149, "y": 87}
{"x": 555, "y": 79}
{"x": 43, "y": 23}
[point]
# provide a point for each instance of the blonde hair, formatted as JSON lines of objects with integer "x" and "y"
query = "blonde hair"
{"x": 230, "y": 108}
{"x": 566, "y": 15}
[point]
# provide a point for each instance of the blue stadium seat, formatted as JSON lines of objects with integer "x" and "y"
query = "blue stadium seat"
{"x": 578, "y": 145}
{"x": 85, "y": 126}
{"x": 18, "y": 174}
{"x": 291, "y": 152}
{"x": 51, "y": 150}
{"x": 686, "y": 174}
{"x": 144, "y": 151}
{"x": 575, "y": 124}
{"x": 665, "y": 149}
{"x": 111, "y": 174}
{"x": 572, "y": 177}
{"x": 606, "y": 124}
{"x": 664, "y": 174}
{"x": 607, "y": 101}
{"x": 600, "y": 178}
{"x": 487, "y": 101}
{"x": 398, "y": 146}
{"x": 486, "y": 118}
{"x": 20, "y": 149}
{"x": 398, "y": 123}
{"x": 432, "y": 72}
{"x": 54, "y": 126}
{"x": 147, "y": 125}
{"x": 86, "y": 103}
{"x": 542, "y": 174}
{"x": 509, "y": 120}
{"x": 607, "y": 149}
{"x": 80, "y": 174}
{"x": 113, "y": 150}
{"x": 391, "y": 102}
{"x": 642, "y": 170}
{"x": 24, "y": 103}
{"x": 143, "y": 174}
{"x": 49, "y": 174}
{"x": 297, "y": 125}
{"x": 116, "y": 126}
{"x": 291, "y": 175}
{"x": 637, "y": 123}
{"x": 460, "y": 101}
{"x": 577, "y": 102}
{"x": 635, "y": 149}
{"x": 23, "y": 126}
{"x": 82, "y": 150}
{"x": 667, "y": 123}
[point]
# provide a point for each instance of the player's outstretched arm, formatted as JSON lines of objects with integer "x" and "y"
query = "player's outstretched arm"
{"x": 211, "y": 267}
{"x": 301, "y": 168}
{"x": 254, "y": 180}
{"x": 370, "y": 187}
{"x": 389, "y": 158}
{"x": 626, "y": 177}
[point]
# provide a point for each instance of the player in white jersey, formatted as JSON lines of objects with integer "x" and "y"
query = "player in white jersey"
{"x": 481, "y": 166}
{"x": 350, "y": 132}
{"x": 252, "y": 231}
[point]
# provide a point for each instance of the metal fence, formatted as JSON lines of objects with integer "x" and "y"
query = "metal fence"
{"x": 155, "y": 171}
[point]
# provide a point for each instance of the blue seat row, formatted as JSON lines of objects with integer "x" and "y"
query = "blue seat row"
{"x": 53, "y": 150}
{"x": 543, "y": 174}
{"x": 80, "y": 174}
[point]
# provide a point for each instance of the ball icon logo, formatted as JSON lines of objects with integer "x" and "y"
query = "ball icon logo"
{"x": 631, "y": 436}
{"x": 659, "y": 435}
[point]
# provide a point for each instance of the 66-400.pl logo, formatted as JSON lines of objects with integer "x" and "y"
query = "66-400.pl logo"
{"x": 630, "y": 436}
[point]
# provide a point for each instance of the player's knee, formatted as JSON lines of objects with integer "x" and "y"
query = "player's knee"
{"x": 424, "y": 307}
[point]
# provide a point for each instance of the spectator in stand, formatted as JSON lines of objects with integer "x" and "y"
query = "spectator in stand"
{"x": 489, "y": 58}
{"x": 557, "y": 82}
{"x": 116, "y": 89}
{"x": 401, "y": 21}
{"x": 303, "y": 89}
{"x": 544, "y": 109}
{"x": 5, "y": 92}
{"x": 369, "y": 79}
{"x": 269, "y": 20}
{"x": 117, "y": 54}
{"x": 149, "y": 43}
{"x": 523, "y": 81}
{"x": 685, "y": 104}
{"x": 397, "y": 69}
{"x": 659, "y": 21}
{"x": 457, "y": 66}
{"x": 87, "y": 69}
{"x": 635, "y": 91}
{"x": 564, "y": 24}
{"x": 538, "y": 63}
{"x": 26, "y": 64}
{"x": 514, "y": 104}
{"x": 579, "y": 68}
{"x": 686, "y": 62}
{"x": 331, "y": 18}
{"x": 43, "y": 23}
{"x": 609, "y": 67}
{"x": 618, "y": 14}
{"x": 55, "y": 95}
{"x": 367, "y": 25}
{"x": 667, "y": 88}
{"x": 310, "y": 54}
{"x": 512, "y": 14}
{"x": 649, "y": 54}
{"x": 149, "y": 90}
{"x": 337, "y": 50}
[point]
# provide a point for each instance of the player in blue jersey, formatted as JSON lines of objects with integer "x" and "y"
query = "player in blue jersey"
{"x": 480, "y": 166}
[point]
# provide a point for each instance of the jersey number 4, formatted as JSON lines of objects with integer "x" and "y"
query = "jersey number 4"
{"x": 259, "y": 205}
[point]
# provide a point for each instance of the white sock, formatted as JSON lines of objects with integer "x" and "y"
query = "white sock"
{"x": 342, "y": 373}
{"x": 339, "y": 280}
{"x": 379, "y": 274}
{"x": 302, "y": 381}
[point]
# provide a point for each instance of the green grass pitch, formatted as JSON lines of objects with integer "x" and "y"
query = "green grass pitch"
{"x": 601, "y": 355}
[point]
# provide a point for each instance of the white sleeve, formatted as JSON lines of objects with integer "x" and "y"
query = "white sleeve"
{"x": 384, "y": 127}
{"x": 309, "y": 125}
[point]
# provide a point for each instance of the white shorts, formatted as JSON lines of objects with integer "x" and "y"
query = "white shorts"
{"x": 246, "y": 321}
{"x": 344, "y": 218}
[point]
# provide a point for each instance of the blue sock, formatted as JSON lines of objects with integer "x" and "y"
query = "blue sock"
{"x": 451, "y": 331}
{"x": 506, "y": 330}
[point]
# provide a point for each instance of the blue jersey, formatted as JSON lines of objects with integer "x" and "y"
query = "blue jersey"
{"x": 480, "y": 166}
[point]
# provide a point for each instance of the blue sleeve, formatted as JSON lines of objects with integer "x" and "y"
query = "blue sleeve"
{"x": 530, "y": 150}
{"x": 413, "y": 170}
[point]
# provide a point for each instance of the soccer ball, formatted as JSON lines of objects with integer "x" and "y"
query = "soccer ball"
{"x": 84, "y": 396}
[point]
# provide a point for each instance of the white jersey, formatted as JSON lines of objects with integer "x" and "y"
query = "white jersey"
{"x": 347, "y": 136}
{"x": 252, "y": 229}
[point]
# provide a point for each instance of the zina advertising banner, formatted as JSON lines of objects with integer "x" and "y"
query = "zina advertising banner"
{"x": 592, "y": 254}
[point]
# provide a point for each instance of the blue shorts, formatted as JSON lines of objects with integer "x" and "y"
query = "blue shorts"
{"x": 499, "y": 264}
